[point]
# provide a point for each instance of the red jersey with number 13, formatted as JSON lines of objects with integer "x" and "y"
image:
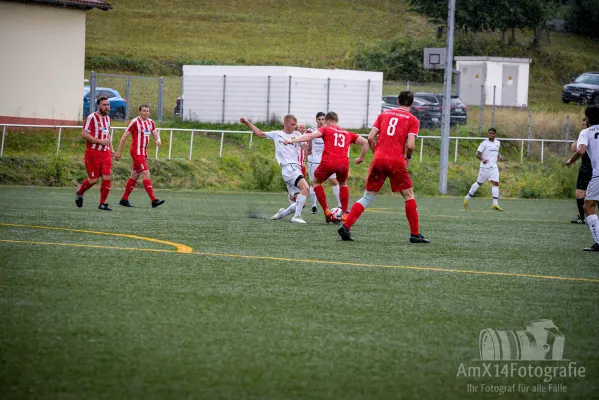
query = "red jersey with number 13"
{"x": 336, "y": 143}
{"x": 394, "y": 127}
{"x": 140, "y": 133}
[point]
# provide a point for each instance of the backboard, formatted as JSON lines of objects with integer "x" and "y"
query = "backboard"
{"x": 434, "y": 58}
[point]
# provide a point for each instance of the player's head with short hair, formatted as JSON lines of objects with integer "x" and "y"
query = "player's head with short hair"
{"x": 320, "y": 114}
{"x": 492, "y": 130}
{"x": 101, "y": 99}
{"x": 144, "y": 106}
{"x": 289, "y": 123}
{"x": 301, "y": 127}
{"x": 103, "y": 105}
{"x": 585, "y": 123}
{"x": 405, "y": 98}
{"x": 592, "y": 114}
{"x": 332, "y": 117}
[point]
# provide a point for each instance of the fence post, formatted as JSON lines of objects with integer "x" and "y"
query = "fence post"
{"x": 493, "y": 110}
{"x": 522, "y": 152}
{"x": 156, "y": 156}
{"x": 268, "y": 101}
{"x": 367, "y": 101}
{"x": 222, "y": 139}
{"x": 58, "y": 144}
{"x": 455, "y": 158}
{"x": 2, "y": 146}
{"x": 251, "y": 137}
{"x": 92, "y": 92}
{"x": 161, "y": 99}
{"x": 191, "y": 146}
{"x": 224, "y": 92}
{"x": 542, "y": 150}
{"x": 567, "y": 134}
{"x": 127, "y": 99}
{"x": 480, "y": 119}
{"x": 529, "y": 132}
{"x": 408, "y": 85}
{"x": 421, "y": 148}
{"x": 170, "y": 144}
{"x": 328, "y": 92}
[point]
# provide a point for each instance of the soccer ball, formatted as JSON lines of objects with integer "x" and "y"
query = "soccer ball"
{"x": 336, "y": 214}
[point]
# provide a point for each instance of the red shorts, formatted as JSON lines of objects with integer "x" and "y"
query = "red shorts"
{"x": 326, "y": 169}
{"x": 140, "y": 163}
{"x": 98, "y": 163}
{"x": 395, "y": 170}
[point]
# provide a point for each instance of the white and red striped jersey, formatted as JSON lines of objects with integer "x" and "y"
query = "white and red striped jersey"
{"x": 140, "y": 132}
{"x": 98, "y": 127}
{"x": 302, "y": 157}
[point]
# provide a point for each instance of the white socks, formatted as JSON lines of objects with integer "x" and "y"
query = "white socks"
{"x": 299, "y": 204}
{"x": 336, "y": 193}
{"x": 312, "y": 196}
{"x": 472, "y": 190}
{"x": 593, "y": 222}
{"x": 366, "y": 199}
{"x": 495, "y": 193}
{"x": 289, "y": 210}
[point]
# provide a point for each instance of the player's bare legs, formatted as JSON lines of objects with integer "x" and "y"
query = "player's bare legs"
{"x": 593, "y": 222}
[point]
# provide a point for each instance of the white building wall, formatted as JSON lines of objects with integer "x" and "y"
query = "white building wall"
{"x": 300, "y": 91}
{"x": 43, "y": 56}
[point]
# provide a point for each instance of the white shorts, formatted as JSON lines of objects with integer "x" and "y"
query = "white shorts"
{"x": 312, "y": 167}
{"x": 291, "y": 175}
{"x": 592, "y": 192}
{"x": 491, "y": 174}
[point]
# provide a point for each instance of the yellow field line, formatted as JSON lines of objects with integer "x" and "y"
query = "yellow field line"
{"x": 342, "y": 263}
{"x": 181, "y": 248}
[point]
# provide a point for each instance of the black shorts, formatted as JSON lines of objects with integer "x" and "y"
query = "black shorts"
{"x": 584, "y": 177}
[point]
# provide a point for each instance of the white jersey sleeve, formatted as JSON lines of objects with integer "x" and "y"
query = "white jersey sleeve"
{"x": 590, "y": 138}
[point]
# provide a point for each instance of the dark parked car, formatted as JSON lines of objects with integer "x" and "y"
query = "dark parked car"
{"x": 428, "y": 113}
{"x": 584, "y": 89}
{"x": 118, "y": 105}
{"x": 458, "y": 112}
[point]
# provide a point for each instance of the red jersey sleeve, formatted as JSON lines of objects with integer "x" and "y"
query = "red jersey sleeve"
{"x": 414, "y": 126}
{"x": 377, "y": 123}
{"x": 353, "y": 137}
{"x": 132, "y": 128}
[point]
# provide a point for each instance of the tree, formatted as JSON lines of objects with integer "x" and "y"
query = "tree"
{"x": 581, "y": 18}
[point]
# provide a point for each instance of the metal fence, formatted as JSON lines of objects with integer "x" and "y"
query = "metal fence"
{"x": 192, "y": 132}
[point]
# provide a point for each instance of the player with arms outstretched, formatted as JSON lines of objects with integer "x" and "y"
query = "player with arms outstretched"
{"x": 334, "y": 159}
{"x": 139, "y": 129}
{"x": 396, "y": 131}
{"x": 98, "y": 153}
{"x": 288, "y": 159}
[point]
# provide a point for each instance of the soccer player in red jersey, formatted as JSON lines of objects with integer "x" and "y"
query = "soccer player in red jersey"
{"x": 139, "y": 129}
{"x": 396, "y": 130}
{"x": 334, "y": 159}
{"x": 98, "y": 153}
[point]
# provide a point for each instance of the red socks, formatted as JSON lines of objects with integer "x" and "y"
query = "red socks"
{"x": 321, "y": 196}
{"x": 344, "y": 197}
{"x": 355, "y": 212}
{"x": 149, "y": 189}
{"x": 129, "y": 186}
{"x": 104, "y": 190}
{"x": 412, "y": 215}
{"x": 84, "y": 186}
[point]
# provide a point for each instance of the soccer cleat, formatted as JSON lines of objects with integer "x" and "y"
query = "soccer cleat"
{"x": 466, "y": 205}
{"x": 594, "y": 247}
{"x": 278, "y": 215}
{"x": 78, "y": 200}
{"x": 157, "y": 202}
{"x": 298, "y": 220}
{"x": 418, "y": 238}
{"x": 578, "y": 220}
{"x": 104, "y": 206}
{"x": 344, "y": 233}
{"x": 328, "y": 216}
{"x": 314, "y": 210}
{"x": 496, "y": 207}
{"x": 125, "y": 203}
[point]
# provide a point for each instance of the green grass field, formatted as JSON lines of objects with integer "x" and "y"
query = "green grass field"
{"x": 254, "y": 308}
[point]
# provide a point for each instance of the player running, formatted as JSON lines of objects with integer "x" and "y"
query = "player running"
{"x": 396, "y": 131}
{"x": 139, "y": 129}
{"x": 334, "y": 159}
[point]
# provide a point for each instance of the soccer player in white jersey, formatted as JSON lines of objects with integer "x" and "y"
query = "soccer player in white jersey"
{"x": 288, "y": 159}
{"x": 488, "y": 154}
{"x": 315, "y": 149}
{"x": 139, "y": 129}
{"x": 588, "y": 141}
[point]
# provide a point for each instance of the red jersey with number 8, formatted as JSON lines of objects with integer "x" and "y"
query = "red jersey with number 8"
{"x": 394, "y": 127}
{"x": 336, "y": 143}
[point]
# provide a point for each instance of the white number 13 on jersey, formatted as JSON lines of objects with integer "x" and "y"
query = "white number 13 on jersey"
{"x": 392, "y": 126}
{"x": 339, "y": 140}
